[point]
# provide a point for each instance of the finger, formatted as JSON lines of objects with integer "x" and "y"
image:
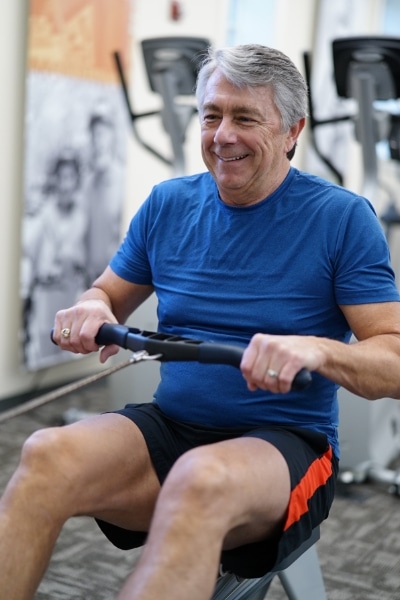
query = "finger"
{"x": 108, "y": 351}
{"x": 60, "y": 335}
{"x": 247, "y": 365}
{"x": 271, "y": 379}
{"x": 286, "y": 377}
{"x": 255, "y": 357}
{"x": 65, "y": 333}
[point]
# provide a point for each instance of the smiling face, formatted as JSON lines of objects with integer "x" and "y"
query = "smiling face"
{"x": 242, "y": 141}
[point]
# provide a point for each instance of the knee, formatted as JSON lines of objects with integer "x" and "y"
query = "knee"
{"x": 201, "y": 479}
{"x": 41, "y": 485}
{"x": 44, "y": 453}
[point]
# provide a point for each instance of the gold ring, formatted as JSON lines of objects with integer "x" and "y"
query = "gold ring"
{"x": 66, "y": 332}
{"x": 272, "y": 373}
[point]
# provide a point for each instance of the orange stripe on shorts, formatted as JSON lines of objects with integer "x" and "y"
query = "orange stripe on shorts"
{"x": 317, "y": 475}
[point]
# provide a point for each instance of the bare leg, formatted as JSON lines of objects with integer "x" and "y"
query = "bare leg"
{"x": 97, "y": 467}
{"x": 228, "y": 494}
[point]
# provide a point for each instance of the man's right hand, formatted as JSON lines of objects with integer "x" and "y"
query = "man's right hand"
{"x": 75, "y": 328}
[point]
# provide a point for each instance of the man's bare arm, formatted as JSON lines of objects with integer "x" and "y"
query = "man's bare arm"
{"x": 370, "y": 367}
{"x": 110, "y": 300}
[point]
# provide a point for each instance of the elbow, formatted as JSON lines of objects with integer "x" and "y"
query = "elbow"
{"x": 393, "y": 393}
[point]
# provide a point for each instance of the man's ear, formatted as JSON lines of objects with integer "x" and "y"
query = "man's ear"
{"x": 292, "y": 138}
{"x": 294, "y": 133}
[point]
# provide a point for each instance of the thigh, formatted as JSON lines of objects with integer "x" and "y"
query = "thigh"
{"x": 256, "y": 479}
{"x": 109, "y": 463}
{"x": 312, "y": 470}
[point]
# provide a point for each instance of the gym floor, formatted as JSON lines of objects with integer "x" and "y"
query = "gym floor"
{"x": 359, "y": 549}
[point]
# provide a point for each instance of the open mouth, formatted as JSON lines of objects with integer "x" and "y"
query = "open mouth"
{"x": 232, "y": 158}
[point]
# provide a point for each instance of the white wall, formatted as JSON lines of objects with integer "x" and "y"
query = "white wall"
{"x": 12, "y": 56}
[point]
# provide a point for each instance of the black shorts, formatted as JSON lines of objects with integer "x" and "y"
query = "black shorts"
{"x": 313, "y": 471}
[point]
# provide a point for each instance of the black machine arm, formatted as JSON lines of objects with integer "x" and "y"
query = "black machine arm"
{"x": 175, "y": 348}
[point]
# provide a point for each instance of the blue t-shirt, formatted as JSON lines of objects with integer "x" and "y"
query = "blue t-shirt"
{"x": 223, "y": 273}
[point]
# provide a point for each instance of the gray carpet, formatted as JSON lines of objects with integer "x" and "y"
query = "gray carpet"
{"x": 359, "y": 548}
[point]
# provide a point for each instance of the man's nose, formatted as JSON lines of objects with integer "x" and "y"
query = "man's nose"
{"x": 226, "y": 132}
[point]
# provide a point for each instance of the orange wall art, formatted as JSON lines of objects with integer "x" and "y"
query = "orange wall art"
{"x": 75, "y": 160}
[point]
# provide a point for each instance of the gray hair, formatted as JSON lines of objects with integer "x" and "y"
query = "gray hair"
{"x": 255, "y": 65}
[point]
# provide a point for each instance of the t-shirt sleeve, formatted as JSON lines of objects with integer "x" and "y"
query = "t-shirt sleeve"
{"x": 131, "y": 259}
{"x": 363, "y": 272}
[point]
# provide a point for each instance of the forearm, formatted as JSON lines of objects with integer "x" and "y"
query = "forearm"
{"x": 96, "y": 293}
{"x": 120, "y": 296}
{"x": 369, "y": 368}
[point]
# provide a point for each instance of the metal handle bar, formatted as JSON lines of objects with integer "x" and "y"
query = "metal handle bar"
{"x": 175, "y": 348}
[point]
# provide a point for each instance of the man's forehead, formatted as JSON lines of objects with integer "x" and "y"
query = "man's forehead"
{"x": 222, "y": 94}
{"x": 233, "y": 106}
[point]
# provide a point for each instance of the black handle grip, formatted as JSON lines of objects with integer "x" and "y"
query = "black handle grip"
{"x": 302, "y": 380}
{"x": 107, "y": 334}
{"x": 112, "y": 334}
{"x": 175, "y": 348}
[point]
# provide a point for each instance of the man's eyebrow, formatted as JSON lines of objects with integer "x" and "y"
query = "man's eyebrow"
{"x": 242, "y": 110}
{"x": 211, "y": 106}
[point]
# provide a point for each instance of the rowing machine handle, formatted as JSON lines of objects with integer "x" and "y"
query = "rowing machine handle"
{"x": 173, "y": 348}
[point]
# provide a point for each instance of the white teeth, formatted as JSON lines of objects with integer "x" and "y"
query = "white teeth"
{"x": 233, "y": 158}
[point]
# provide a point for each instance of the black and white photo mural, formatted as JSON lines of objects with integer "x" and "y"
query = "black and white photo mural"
{"x": 75, "y": 154}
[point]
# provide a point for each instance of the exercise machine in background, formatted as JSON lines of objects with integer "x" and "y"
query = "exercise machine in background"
{"x": 367, "y": 70}
{"x": 171, "y": 64}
